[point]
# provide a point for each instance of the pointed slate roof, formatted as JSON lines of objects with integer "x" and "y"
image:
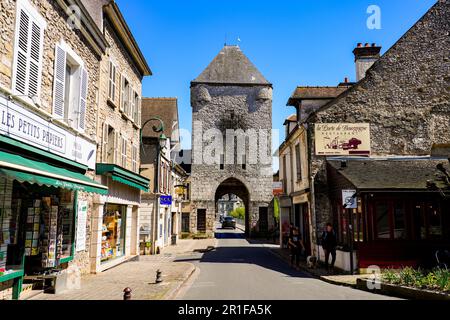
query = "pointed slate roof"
{"x": 231, "y": 66}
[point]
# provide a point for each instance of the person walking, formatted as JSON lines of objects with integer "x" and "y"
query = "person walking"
{"x": 296, "y": 246}
{"x": 329, "y": 243}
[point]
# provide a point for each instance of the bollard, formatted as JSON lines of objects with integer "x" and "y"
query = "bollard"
{"x": 127, "y": 294}
{"x": 158, "y": 276}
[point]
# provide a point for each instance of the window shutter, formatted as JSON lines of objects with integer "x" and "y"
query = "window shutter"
{"x": 132, "y": 104}
{"x": 28, "y": 55}
{"x": 116, "y": 147}
{"x": 139, "y": 107}
{"x": 122, "y": 93}
{"x": 20, "y": 79}
{"x": 83, "y": 100}
{"x": 105, "y": 142}
{"x": 59, "y": 82}
{"x": 34, "y": 73}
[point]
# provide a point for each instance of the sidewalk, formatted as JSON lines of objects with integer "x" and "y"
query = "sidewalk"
{"x": 139, "y": 275}
{"x": 338, "y": 278}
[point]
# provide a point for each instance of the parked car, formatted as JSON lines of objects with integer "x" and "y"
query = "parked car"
{"x": 229, "y": 222}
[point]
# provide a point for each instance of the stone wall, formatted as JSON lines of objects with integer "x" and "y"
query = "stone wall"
{"x": 109, "y": 110}
{"x": 57, "y": 29}
{"x": 404, "y": 97}
{"x": 230, "y": 107}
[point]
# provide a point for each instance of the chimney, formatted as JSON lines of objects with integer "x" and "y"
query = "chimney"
{"x": 365, "y": 57}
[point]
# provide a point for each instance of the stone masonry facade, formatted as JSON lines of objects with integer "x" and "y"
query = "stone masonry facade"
{"x": 57, "y": 29}
{"x": 404, "y": 97}
{"x": 230, "y": 107}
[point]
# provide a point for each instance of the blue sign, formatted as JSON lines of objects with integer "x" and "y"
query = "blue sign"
{"x": 165, "y": 200}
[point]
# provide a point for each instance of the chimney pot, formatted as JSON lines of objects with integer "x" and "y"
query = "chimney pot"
{"x": 346, "y": 80}
{"x": 374, "y": 44}
{"x": 366, "y": 44}
{"x": 359, "y": 45}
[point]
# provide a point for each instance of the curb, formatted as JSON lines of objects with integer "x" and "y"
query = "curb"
{"x": 313, "y": 274}
{"x": 174, "y": 292}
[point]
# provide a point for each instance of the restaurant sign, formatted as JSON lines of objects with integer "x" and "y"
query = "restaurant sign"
{"x": 336, "y": 139}
{"x": 18, "y": 123}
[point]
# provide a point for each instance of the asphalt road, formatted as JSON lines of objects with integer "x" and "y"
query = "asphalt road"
{"x": 239, "y": 270}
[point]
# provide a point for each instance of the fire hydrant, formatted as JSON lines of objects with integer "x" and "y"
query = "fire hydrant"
{"x": 158, "y": 276}
{"x": 127, "y": 294}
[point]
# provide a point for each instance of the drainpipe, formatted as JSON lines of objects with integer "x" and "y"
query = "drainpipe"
{"x": 156, "y": 205}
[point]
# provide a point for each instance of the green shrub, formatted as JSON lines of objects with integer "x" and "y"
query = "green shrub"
{"x": 436, "y": 279}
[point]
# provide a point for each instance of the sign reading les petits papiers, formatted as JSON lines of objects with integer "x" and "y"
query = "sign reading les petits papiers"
{"x": 341, "y": 139}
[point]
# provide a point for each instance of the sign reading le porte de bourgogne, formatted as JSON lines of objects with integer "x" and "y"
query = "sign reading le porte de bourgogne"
{"x": 341, "y": 139}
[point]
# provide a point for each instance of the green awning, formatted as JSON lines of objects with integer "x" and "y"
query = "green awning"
{"x": 23, "y": 169}
{"x": 124, "y": 176}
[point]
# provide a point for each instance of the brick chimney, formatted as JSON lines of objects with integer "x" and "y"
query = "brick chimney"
{"x": 365, "y": 57}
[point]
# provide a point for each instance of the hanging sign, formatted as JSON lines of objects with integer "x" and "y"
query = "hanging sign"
{"x": 349, "y": 199}
{"x": 81, "y": 226}
{"x": 338, "y": 139}
{"x": 165, "y": 200}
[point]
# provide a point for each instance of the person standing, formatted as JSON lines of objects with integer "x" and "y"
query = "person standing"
{"x": 296, "y": 246}
{"x": 329, "y": 243}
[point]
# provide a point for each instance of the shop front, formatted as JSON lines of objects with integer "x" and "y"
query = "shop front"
{"x": 43, "y": 171}
{"x": 115, "y": 227}
{"x": 396, "y": 220}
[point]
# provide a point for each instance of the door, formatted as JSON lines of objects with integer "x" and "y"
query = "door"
{"x": 201, "y": 220}
{"x": 263, "y": 219}
{"x": 305, "y": 231}
{"x": 185, "y": 222}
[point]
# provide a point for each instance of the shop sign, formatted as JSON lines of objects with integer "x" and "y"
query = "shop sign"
{"x": 336, "y": 139}
{"x": 20, "y": 124}
{"x": 81, "y": 226}
{"x": 277, "y": 188}
{"x": 349, "y": 199}
{"x": 165, "y": 200}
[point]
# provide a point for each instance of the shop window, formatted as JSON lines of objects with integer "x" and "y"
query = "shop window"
{"x": 399, "y": 221}
{"x": 38, "y": 222}
{"x": 70, "y": 87}
{"x": 382, "y": 220}
{"x": 419, "y": 222}
{"x": 435, "y": 223}
{"x": 113, "y": 232}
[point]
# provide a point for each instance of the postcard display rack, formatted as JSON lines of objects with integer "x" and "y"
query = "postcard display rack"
{"x": 8, "y": 221}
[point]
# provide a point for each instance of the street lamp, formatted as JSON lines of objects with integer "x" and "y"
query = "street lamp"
{"x": 156, "y": 129}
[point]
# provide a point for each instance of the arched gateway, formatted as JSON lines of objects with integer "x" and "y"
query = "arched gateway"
{"x": 231, "y": 140}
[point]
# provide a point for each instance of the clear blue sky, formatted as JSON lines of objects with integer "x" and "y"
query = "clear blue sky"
{"x": 292, "y": 42}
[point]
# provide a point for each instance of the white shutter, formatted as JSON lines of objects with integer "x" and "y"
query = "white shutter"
{"x": 35, "y": 63}
{"x": 132, "y": 104}
{"x": 59, "y": 82}
{"x": 28, "y": 55}
{"x": 83, "y": 100}
{"x": 139, "y": 107}
{"x": 116, "y": 147}
{"x": 105, "y": 142}
{"x": 122, "y": 92}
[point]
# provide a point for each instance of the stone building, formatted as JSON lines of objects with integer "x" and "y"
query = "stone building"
{"x": 115, "y": 228}
{"x": 157, "y": 223}
{"x": 231, "y": 140}
{"x": 49, "y": 84}
{"x": 393, "y": 217}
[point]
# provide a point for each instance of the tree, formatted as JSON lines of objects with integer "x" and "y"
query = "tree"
{"x": 442, "y": 181}
{"x": 238, "y": 213}
{"x": 276, "y": 209}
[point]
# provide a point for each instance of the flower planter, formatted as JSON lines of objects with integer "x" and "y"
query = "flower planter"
{"x": 402, "y": 291}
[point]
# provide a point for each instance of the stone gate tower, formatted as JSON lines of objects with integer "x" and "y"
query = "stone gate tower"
{"x": 231, "y": 141}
